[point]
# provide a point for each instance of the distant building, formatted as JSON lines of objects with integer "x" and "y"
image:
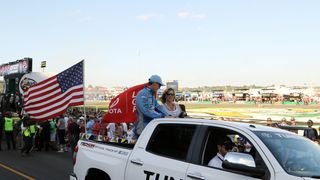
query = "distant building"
{"x": 173, "y": 84}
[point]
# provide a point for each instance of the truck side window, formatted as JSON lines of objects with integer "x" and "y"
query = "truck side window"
{"x": 171, "y": 140}
{"x": 239, "y": 144}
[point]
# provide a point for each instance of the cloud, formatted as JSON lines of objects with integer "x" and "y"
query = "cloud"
{"x": 147, "y": 17}
{"x": 85, "y": 19}
{"x": 198, "y": 16}
{"x": 190, "y": 15}
{"x": 184, "y": 14}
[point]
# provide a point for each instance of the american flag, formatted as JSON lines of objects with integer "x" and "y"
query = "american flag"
{"x": 53, "y": 96}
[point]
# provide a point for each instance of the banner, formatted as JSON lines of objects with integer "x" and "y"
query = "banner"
{"x": 122, "y": 108}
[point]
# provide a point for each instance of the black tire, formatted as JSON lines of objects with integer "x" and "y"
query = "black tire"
{"x": 96, "y": 174}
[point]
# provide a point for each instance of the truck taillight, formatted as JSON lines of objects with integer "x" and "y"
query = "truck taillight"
{"x": 75, "y": 155}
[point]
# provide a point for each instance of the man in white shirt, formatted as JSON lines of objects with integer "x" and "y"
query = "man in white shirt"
{"x": 224, "y": 145}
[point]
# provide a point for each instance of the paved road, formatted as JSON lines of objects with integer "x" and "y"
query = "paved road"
{"x": 38, "y": 165}
{"x": 6, "y": 174}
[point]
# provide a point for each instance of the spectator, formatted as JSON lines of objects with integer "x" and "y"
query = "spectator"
{"x": 74, "y": 132}
{"x": 147, "y": 105}
{"x": 119, "y": 135}
{"x": 11, "y": 102}
{"x": 61, "y": 133}
{"x": 130, "y": 134}
{"x": 293, "y": 123}
{"x": 283, "y": 122}
{"x": 111, "y": 130}
{"x": 45, "y": 135}
{"x": 90, "y": 124}
{"x": 310, "y": 133}
{"x": 66, "y": 121}
{"x": 80, "y": 119}
{"x": 125, "y": 128}
{"x": 8, "y": 129}
{"x": 53, "y": 134}
{"x": 26, "y": 134}
{"x": 82, "y": 126}
{"x": 269, "y": 122}
{"x": 17, "y": 102}
{"x": 96, "y": 127}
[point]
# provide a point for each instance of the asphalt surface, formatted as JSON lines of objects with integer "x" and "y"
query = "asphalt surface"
{"x": 49, "y": 165}
{"x": 5, "y": 174}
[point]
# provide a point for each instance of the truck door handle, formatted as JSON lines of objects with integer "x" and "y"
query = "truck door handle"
{"x": 137, "y": 162}
{"x": 196, "y": 176}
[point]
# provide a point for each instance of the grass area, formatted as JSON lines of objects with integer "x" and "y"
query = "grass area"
{"x": 235, "y": 106}
{"x": 199, "y": 106}
{"x": 95, "y": 105}
{"x": 229, "y": 114}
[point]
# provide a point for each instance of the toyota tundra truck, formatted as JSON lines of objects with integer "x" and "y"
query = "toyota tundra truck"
{"x": 181, "y": 149}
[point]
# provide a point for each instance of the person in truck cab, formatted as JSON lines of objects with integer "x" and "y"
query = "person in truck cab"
{"x": 224, "y": 145}
{"x": 147, "y": 105}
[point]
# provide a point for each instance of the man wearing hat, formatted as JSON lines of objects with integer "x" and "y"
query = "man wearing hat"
{"x": 147, "y": 105}
{"x": 224, "y": 145}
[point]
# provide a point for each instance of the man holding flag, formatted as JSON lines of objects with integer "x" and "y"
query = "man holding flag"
{"x": 147, "y": 105}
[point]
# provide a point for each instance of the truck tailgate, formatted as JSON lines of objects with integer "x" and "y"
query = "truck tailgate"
{"x": 103, "y": 157}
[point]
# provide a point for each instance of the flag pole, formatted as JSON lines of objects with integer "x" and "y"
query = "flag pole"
{"x": 84, "y": 100}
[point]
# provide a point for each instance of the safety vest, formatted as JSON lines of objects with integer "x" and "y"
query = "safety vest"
{"x": 33, "y": 129}
{"x": 53, "y": 126}
{"x": 8, "y": 125}
{"x": 26, "y": 132}
{"x": 123, "y": 140}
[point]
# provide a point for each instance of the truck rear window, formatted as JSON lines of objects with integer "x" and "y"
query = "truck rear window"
{"x": 171, "y": 140}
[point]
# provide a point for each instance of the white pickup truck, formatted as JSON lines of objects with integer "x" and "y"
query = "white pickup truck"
{"x": 180, "y": 149}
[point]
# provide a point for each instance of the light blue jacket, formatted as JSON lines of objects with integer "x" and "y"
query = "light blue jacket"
{"x": 147, "y": 109}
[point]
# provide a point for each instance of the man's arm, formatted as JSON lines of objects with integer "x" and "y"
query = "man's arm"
{"x": 145, "y": 107}
{"x": 160, "y": 109}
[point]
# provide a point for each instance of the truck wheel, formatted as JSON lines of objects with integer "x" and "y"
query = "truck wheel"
{"x": 94, "y": 174}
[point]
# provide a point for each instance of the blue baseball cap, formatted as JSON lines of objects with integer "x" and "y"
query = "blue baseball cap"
{"x": 156, "y": 79}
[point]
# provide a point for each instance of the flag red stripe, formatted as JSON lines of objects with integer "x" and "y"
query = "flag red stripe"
{"x": 51, "y": 97}
{"x": 34, "y": 92}
{"x": 45, "y": 111}
{"x": 56, "y": 114}
{"x": 34, "y": 87}
{"x": 54, "y": 102}
{"x": 42, "y": 94}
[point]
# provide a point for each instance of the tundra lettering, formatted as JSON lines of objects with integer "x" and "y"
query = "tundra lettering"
{"x": 149, "y": 174}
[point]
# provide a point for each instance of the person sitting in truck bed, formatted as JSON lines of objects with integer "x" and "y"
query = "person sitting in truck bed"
{"x": 169, "y": 105}
{"x": 224, "y": 145}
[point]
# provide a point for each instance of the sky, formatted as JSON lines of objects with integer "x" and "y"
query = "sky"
{"x": 197, "y": 42}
